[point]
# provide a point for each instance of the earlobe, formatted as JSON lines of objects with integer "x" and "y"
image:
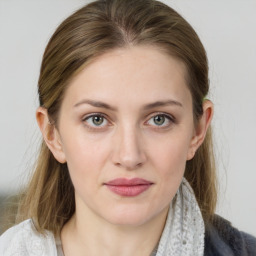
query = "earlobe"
{"x": 201, "y": 129}
{"x": 50, "y": 134}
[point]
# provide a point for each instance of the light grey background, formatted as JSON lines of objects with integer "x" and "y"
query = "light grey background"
{"x": 227, "y": 29}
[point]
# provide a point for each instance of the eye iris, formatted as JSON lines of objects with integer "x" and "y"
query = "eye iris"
{"x": 159, "y": 120}
{"x": 97, "y": 120}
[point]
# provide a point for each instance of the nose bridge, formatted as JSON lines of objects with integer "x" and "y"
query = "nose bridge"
{"x": 129, "y": 151}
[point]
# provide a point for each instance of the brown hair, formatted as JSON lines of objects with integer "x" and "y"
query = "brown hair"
{"x": 97, "y": 28}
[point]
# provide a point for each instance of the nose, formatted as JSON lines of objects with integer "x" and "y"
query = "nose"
{"x": 128, "y": 149}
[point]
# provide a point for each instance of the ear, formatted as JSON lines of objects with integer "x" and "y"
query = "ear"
{"x": 201, "y": 128}
{"x": 50, "y": 134}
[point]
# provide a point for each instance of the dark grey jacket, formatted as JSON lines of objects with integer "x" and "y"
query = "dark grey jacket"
{"x": 221, "y": 239}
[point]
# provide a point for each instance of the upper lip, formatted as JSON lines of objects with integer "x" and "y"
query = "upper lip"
{"x": 128, "y": 182}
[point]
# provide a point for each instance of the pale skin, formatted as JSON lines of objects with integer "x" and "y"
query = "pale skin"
{"x": 130, "y": 140}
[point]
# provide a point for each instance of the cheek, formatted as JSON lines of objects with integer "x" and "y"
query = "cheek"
{"x": 170, "y": 155}
{"x": 168, "y": 160}
{"x": 79, "y": 146}
{"x": 171, "y": 167}
{"x": 85, "y": 158}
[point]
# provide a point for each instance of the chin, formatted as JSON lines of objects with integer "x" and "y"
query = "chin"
{"x": 127, "y": 221}
{"x": 127, "y": 217}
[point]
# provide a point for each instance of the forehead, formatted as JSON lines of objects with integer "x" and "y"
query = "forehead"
{"x": 138, "y": 73}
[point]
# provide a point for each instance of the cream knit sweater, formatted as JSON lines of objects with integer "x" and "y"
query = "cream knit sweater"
{"x": 183, "y": 234}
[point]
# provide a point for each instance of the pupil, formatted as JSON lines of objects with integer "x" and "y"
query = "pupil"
{"x": 159, "y": 120}
{"x": 97, "y": 120}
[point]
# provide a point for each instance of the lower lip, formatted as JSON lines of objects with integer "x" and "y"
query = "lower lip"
{"x": 130, "y": 191}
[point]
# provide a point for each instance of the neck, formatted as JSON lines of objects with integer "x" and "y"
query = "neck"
{"x": 88, "y": 234}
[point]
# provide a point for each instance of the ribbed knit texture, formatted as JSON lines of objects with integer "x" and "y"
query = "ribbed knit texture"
{"x": 183, "y": 234}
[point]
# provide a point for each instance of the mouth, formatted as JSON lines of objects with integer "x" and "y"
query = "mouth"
{"x": 128, "y": 187}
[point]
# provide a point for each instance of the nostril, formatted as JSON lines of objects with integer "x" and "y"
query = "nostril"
{"x": 128, "y": 151}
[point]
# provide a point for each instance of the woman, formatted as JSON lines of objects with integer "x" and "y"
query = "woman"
{"x": 126, "y": 165}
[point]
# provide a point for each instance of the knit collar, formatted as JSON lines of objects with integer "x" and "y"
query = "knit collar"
{"x": 183, "y": 233}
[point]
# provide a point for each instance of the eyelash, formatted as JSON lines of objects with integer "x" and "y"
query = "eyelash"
{"x": 93, "y": 115}
{"x": 170, "y": 119}
{"x": 167, "y": 118}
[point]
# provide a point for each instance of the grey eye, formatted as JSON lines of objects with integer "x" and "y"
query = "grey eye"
{"x": 159, "y": 119}
{"x": 97, "y": 120}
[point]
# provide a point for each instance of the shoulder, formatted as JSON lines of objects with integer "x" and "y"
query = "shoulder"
{"x": 221, "y": 238}
{"x": 23, "y": 239}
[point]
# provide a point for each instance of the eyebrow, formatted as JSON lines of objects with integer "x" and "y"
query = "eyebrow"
{"x": 162, "y": 104}
{"x": 97, "y": 104}
{"x": 100, "y": 104}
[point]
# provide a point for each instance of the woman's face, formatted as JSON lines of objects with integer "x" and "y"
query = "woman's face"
{"x": 126, "y": 131}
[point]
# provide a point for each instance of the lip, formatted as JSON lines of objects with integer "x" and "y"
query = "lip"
{"x": 128, "y": 187}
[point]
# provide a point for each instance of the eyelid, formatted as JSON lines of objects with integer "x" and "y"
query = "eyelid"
{"x": 93, "y": 114}
{"x": 85, "y": 118}
{"x": 170, "y": 117}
